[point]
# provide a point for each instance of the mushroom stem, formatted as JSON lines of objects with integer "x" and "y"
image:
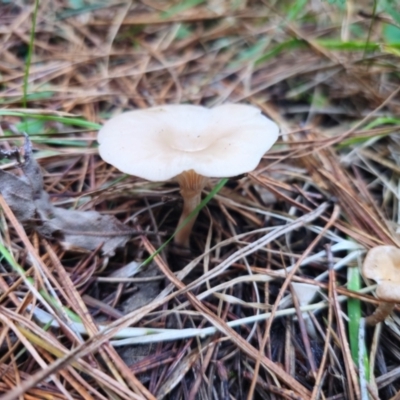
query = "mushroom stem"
{"x": 380, "y": 314}
{"x": 182, "y": 237}
{"x": 191, "y": 185}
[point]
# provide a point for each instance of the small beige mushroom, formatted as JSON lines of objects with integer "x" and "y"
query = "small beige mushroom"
{"x": 189, "y": 144}
{"x": 382, "y": 264}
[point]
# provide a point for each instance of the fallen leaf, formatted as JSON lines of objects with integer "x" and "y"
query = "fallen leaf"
{"x": 76, "y": 230}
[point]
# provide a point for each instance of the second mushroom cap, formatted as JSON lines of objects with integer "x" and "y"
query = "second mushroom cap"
{"x": 382, "y": 264}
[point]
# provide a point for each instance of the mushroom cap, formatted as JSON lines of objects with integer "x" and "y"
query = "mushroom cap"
{"x": 382, "y": 264}
{"x": 159, "y": 143}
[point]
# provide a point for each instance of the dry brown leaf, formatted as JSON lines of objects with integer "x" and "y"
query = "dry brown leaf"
{"x": 76, "y": 230}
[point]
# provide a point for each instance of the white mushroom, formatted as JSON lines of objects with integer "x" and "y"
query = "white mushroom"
{"x": 189, "y": 143}
{"x": 382, "y": 264}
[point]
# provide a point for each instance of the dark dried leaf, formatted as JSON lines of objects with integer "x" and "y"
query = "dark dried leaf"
{"x": 76, "y": 230}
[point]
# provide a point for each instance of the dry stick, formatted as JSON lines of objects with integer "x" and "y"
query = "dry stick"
{"x": 285, "y": 285}
{"x": 348, "y": 362}
{"x": 225, "y": 329}
{"x": 318, "y": 382}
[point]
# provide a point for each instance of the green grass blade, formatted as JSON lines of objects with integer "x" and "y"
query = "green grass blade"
{"x": 10, "y": 260}
{"x": 288, "y": 45}
{"x": 353, "y": 310}
{"x": 354, "y": 314}
{"x": 296, "y": 8}
{"x": 64, "y": 120}
{"x": 335, "y": 44}
{"x": 380, "y": 121}
{"x": 81, "y": 10}
{"x": 29, "y": 55}
{"x": 16, "y": 267}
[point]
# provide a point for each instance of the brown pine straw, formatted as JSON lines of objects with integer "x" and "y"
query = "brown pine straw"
{"x": 221, "y": 325}
{"x": 260, "y": 358}
{"x": 91, "y": 327}
{"x": 332, "y": 219}
{"x": 328, "y": 76}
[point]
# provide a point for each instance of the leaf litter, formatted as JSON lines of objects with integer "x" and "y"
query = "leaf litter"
{"x": 76, "y": 230}
{"x": 219, "y": 325}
